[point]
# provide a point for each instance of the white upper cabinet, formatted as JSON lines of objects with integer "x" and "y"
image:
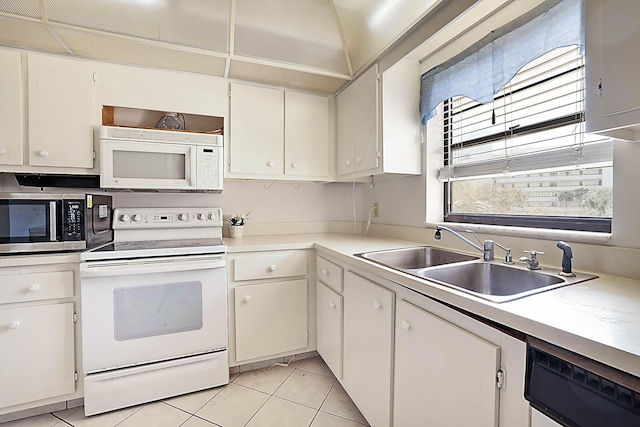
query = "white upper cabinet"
{"x": 367, "y": 150}
{"x": 612, "y": 92}
{"x": 306, "y": 135}
{"x": 346, "y": 101}
{"x": 60, "y": 112}
{"x": 10, "y": 108}
{"x": 257, "y": 131}
{"x": 358, "y": 126}
{"x": 277, "y": 134}
{"x": 380, "y": 134}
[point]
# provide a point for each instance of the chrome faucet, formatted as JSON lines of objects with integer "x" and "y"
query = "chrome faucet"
{"x": 487, "y": 247}
{"x": 532, "y": 263}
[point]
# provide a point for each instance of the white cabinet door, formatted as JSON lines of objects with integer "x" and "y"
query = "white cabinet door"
{"x": 620, "y": 59}
{"x": 306, "y": 135}
{"x": 329, "y": 309}
{"x": 367, "y": 154}
{"x": 10, "y": 108}
{"x": 612, "y": 105}
{"x": 60, "y": 112}
{"x": 36, "y": 353}
{"x": 270, "y": 318}
{"x": 444, "y": 376}
{"x": 346, "y": 104}
{"x": 257, "y": 131}
{"x": 368, "y": 347}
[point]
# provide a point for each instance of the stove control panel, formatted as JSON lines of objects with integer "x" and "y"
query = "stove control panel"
{"x": 148, "y": 218}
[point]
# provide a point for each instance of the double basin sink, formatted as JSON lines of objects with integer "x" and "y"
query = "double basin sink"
{"x": 493, "y": 280}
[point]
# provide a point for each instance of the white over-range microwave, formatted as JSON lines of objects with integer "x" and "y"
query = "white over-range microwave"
{"x": 161, "y": 160}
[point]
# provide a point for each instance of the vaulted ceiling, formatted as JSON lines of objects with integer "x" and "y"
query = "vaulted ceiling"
{"x": 317, "y": 45}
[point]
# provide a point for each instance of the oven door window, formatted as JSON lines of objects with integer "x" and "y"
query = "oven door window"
{"x": 147, "y": 311}
{"x": 26, "y": 221}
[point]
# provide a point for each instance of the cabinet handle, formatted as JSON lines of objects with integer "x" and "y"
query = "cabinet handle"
{"x": 405, "y": 325}
{"x": 3, "y": 151}
{"x": 325, "y": 272}
{"x": 272, "y": 268}
{"x": 34, "y": 288}
{"x": 358, "y": 159}
{"x": 294, "y": 165}
{"x": 377, "y": 305}
{"x": 332, "y": 305}
{"x": 247, "y": 298}
{"x": 14, "y": 325}
{"x": 348, "y": 163}
{"x": 269, "y": 164}
{"x": 43, "y": 153}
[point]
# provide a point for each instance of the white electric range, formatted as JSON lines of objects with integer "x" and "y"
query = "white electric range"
{"x": 154, "y": 308}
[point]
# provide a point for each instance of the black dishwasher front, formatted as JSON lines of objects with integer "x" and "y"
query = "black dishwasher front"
{"x": 579, "y": 392}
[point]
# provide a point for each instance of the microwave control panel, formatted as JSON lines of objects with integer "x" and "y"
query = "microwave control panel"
{"x": 209, "y": 172}
{"x": 73, "y": 220}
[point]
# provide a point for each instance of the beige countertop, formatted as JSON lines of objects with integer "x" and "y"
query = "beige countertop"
{"x": 599, "y": 318}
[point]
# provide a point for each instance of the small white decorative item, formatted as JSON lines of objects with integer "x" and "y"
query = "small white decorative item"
{"x": 236, "y": 231}
{"x": 236, "y": 224}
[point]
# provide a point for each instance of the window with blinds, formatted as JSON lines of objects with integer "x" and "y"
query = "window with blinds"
{"x": 524, "y": 159}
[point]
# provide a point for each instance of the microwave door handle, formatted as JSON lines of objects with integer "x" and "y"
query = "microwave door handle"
{"x": 53, "y": 222}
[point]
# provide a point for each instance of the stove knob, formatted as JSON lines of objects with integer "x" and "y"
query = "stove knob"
{"x": 201, "y": 216}
{"x": 183, "y": 217}
{"x": 212, "y": 215}
{"x": 125, "y": 218}
{"x": 137, "y": 218}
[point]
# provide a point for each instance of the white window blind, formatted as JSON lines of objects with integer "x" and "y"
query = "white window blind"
{"x": 534, "y": 124}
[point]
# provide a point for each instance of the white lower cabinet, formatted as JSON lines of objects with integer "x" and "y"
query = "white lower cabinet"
{"x": 444, "y": 375}
{"x": 37, "y": 333}
{"x": 37, "y": 353}
{"x": 270, "y": 318}
{"x": 272, "y": 305}
{"x": 329, "y": 309}
{"x": 368, "y": 347}
{"x": 408, "y": 360}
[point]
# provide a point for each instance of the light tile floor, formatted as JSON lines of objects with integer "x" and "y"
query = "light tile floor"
{"x": 303, "y": 394}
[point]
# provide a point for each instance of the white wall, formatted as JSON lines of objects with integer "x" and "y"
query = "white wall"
{"x": 279, "y": 203}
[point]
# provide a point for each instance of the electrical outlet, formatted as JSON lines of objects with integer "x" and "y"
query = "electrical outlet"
{"x": 376, "y": 210}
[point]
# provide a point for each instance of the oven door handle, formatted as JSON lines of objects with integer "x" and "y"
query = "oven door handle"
{"x": 150, "y": 266}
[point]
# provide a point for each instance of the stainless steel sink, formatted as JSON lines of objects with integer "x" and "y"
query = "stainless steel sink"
{"x": 497, "y": 282}
{"x": 489, "y": 280}
{"x": 416, "y": 258}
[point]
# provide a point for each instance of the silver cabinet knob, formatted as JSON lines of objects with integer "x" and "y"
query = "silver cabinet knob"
{"x": 14, "y": 325}
{"x": 34, "y": 288}
{"x": 43, "y": 153}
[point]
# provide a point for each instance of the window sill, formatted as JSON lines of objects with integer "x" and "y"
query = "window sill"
{"x": 531, "y": 233}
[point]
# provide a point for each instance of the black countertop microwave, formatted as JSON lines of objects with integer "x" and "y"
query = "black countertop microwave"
{"x": 38, "y": 222}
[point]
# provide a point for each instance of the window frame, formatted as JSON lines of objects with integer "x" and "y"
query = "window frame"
{"x": 572, "y": 223}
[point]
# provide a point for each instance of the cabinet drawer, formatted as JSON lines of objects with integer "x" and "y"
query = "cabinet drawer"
{"x": 270, "y": 265}
{"x": 330, "y": 274}
{"x": 36, "y": 286}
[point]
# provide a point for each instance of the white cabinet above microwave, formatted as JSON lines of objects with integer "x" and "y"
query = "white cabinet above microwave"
{"x": 150, "y": 159}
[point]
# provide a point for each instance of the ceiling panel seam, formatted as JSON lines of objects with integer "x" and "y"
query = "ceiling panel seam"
{"x": 59, "y": 40}
{"x": 43, "y": 11}
{"x": 342, "y": 39}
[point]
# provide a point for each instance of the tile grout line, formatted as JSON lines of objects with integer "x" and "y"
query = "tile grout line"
{"x": 270, "y": 395}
